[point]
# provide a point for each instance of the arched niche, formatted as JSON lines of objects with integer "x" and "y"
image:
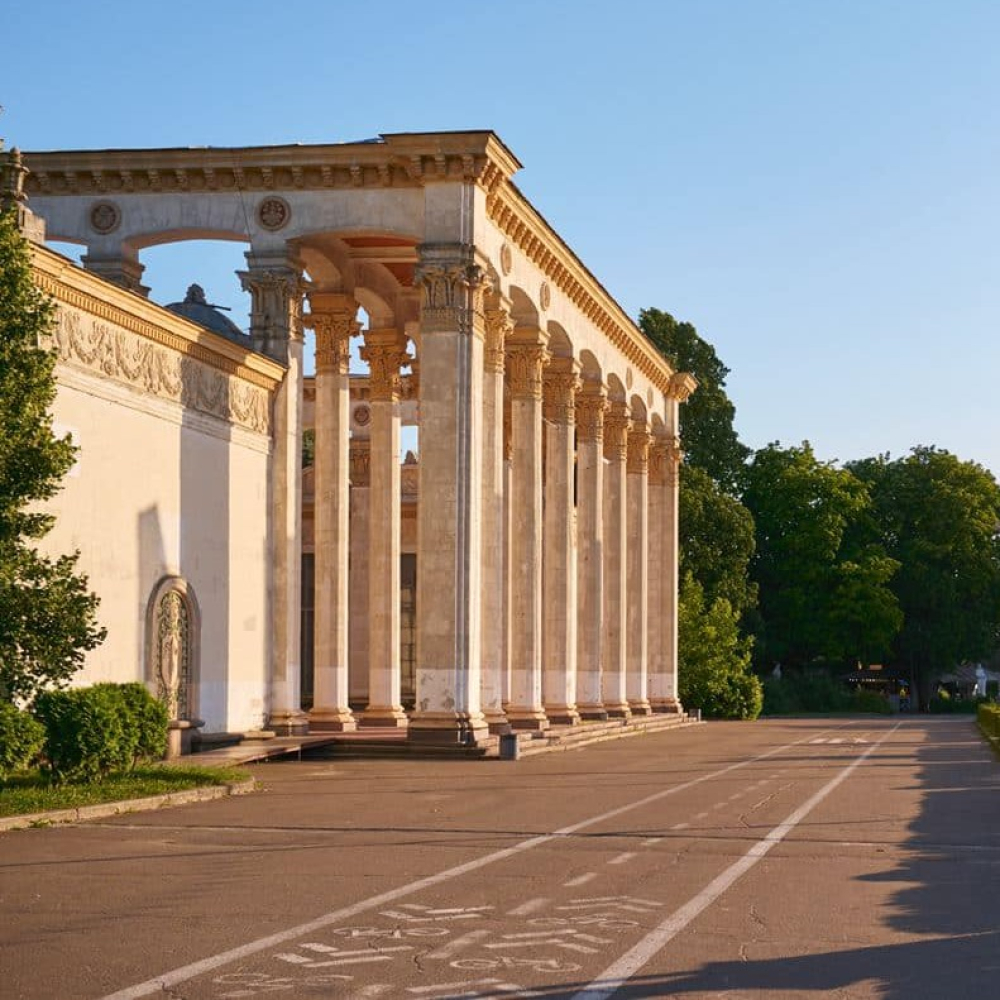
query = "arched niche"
{"x": 173, "y": 646}
{"x": 560, "y": 345}
{"x": 637, "y": 409}
{"x": 616, "y": 389}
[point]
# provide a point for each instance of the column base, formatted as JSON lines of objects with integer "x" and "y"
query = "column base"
{"x": 446, "y": 729}
{"x": 527, "y": 718}
{"x": 496, "y": 721}
{"x": 562, "y": 715}
{"x": 593, "y": 713}
{"x": 618, "y": 710}
{"x": 640, "y": 707}
{"x": 289, "y": 723}
{"x": 332, "y": 720}
{"x": 667, "y": 706}
{"x": 383, "y": 717}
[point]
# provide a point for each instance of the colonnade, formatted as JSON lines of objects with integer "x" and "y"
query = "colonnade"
{"x": 547, "y": 518}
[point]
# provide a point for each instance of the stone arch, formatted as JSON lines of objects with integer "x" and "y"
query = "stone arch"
{"x": 560, "y": 345}
{"x": 173, "y": 647}
{"x": 616, "y": 389}
{"x": 657, "y": 426}
{"x": 637, "y": 409}
{"x": 522, "y": 309}
{"x": 590, "y": 367}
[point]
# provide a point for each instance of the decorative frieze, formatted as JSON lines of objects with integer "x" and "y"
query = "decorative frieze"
{"x": 159, "y": 371}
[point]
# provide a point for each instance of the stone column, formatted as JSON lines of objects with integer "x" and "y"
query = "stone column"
{"x": 559, "y": 688}
{"x": 332, "y": 316}
{"x": 357, "y": 597}
{"x": 275, "y": 286}
{"x": 498, "y": 325}
{"x": 591, "y": 405}
{"x": 449, "y": 518}
{"x": 637, "y": 571}
{"x": 613, "y": 649}
{"x": 656, "y": 653}
{"x": 527, "y": 355}
{"x": 385, "y": 352}
{"x": 508, "y": 485}
{"x": 122, "y": 269}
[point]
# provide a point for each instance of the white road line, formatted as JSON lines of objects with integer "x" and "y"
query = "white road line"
{"x": 531, "y": 906}
{"x": 622, "y": 859}
{"x": 618, "y": 973}
{"x": 680, "y": 826}
{"x": 454, "y": 946}
{"x": 651, "y": 841}
{"x": 579, "y": 880}
{"x": 167, "y": 980}
{"x": 701, "y": 815}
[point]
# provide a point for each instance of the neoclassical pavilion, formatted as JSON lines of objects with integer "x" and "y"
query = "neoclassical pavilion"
{"x": 547, "y": 482}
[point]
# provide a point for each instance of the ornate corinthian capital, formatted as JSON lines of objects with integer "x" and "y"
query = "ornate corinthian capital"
{"x": 452, "y": 285}
{"x": 639, "y": 440}
{"x": 525, "y": 364}
{"x": 333, "y": 317}
{"x": 499, "y": 325}
{"x": 664, "y": 460}
{"x": 616, "y": 427}
{"x": 385, "y": 352}
{"x": 275, "y": 287}
{"x": 591, "y": 405}
{"x": 560, "y": 384}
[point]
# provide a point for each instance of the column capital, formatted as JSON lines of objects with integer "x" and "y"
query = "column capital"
{"x": 275, "y": 284}
{"x": 664, "y": 459}
{"x": 639, "y": 440}
{"x": 617, "y": 423}
{"x": 560, "y": 384}
{"x": 591, "y": 406}
{"x": 385, "y": 352}
{"x": 499, "y": 325}
{"x": 333, "y": 316}
{"x": 527, "y": 355}
{"x": 682, "y": 384}
{"x": 453, "y": 284}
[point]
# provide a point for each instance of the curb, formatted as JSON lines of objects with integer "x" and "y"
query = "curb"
{"x": 104, "y": 810}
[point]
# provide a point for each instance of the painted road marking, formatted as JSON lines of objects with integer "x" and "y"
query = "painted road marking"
{"x": 633, "y": 904}
{"x": 579, "y": 880}
{"x": 454, "y": 946}
{"x": 536, "y": 939}
{"x": 701, "y": 815}
{"x": 651, "y": 841}
{"x": 494, "y": 986}
{"x": 426, "y": 913}
{"x": 532, "y": 906}
{"x": 616, "y": 975}
{"x": 622, "y": 858}
{"x": 680, "y": 826}
{"x": 167, "y": 980}
{"x": 339, "y": 956}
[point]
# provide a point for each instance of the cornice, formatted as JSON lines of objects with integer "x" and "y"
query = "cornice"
{"x": 525, "y": 227}
{"x": 73, "y": 286}
{"x": 391, "y": 160}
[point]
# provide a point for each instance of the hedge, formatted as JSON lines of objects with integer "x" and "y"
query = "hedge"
{"x": 988, "y": 717}
{"x": 21, "y": 739}
{"x": 93, "y": 731}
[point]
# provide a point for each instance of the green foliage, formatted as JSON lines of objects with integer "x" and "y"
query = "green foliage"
{"x": 823, "y": 590}
{"x": 716, "y": 540}
{"x": 938, "y": 517}
{"x": 714, "y": 658}
{"x": 146, "y": 718}
{"x": 988, "y": 717}
{"x": 47, "y": 615}
{"x": 91, "y": 732}
{"x": 21, "y": 739}
{"x": 707, "y": 433}
{"x": 308, "y": 447}
{"x": 817, "y": 691}
{"x": 943, "y": 704}
{"x": 865, "y": 700}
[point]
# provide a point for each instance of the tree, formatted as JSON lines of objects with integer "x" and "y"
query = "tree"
{"x": 824, "y": 587}
{"x": 938, "y": 517}
{"x": 47, "y": 615}
{"x": 714, "y": 658}
{"x": 708, "y": 436}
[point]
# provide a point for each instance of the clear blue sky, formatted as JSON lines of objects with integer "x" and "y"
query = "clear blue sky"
{"x": 812, "y": 184}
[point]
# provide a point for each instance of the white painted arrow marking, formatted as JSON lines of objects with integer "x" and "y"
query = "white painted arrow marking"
{"x": 454, "y": 913}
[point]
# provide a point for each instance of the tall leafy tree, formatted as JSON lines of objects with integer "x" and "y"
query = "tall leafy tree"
{"x": 708, "y": 436}
{"x": 824, "y": 587}
{"x": 47, "y": 614}
{"x": 939, "y": 517}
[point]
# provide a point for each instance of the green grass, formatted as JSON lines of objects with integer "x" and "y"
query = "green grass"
{"x": 32, "y": 793}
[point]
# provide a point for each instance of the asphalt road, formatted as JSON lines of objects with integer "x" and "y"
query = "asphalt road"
{"x": 848, "y": 858}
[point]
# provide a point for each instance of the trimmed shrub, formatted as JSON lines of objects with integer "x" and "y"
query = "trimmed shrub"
{"x": 943, "y": 704}
{"x": 988, "y": 716}
{"x": 21, "y": 739}
{"x": 145, "y": 717}
{"x": 871, "y": 701}
{"x": 85, "y": 733}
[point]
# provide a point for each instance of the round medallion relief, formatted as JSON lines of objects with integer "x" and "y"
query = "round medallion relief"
{"x": 105, "y": 217}
{"x": 506, "y": 258}
{"x": 273, "y": 213}
{"x": 649, "y": 398}
{"x": 362, "y": 415}
{"x": 545, "y": 295}
{"x": 628, "y": 378}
